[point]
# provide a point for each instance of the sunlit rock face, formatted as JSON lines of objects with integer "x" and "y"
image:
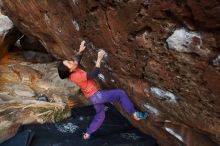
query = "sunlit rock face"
{"x": 165, "y": 54}
{"x": 23, "y": 79}
{"x": 32, "y": 93}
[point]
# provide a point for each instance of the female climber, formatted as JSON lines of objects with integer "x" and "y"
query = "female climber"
{"x": 69, "y": 69}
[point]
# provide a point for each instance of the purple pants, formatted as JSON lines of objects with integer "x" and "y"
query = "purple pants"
{"x": 104, "y": 96}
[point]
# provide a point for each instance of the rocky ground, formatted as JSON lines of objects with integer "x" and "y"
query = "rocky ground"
{"x": 165, "y": 54}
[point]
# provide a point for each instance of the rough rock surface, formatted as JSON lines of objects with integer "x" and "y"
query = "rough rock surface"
{"x": 8, "y": 34}
{"x": 180, "y": 89}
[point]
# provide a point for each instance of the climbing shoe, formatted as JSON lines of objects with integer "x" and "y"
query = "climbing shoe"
{"x": 140, "y": 115}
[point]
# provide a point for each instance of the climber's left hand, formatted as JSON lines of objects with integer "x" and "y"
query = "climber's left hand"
{"x": 82, "y": 47}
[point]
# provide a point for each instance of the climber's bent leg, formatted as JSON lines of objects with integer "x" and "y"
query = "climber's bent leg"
{"x": 105, "y": 96}
{"x": 98, "y": 119}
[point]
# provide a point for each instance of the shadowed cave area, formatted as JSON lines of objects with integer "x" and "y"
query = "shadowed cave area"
{"x": 164, "y": 53}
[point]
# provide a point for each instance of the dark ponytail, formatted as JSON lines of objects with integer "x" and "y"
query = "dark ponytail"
{"x": 63, "y": 71}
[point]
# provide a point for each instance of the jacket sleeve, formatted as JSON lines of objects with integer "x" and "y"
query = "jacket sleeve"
{"x": 93, "y": 74}
{"x": 78, "y": 58}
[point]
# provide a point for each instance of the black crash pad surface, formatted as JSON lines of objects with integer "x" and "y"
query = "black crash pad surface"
{"x": 115, "y": 131}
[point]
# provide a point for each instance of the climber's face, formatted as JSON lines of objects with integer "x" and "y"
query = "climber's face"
{"x": 71, "y": 64}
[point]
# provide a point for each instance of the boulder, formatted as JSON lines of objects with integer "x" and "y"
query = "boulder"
{"x": 143, "y": 58}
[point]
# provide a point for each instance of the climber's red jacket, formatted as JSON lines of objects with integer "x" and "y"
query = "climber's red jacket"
{"x": 88, "y": 87}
